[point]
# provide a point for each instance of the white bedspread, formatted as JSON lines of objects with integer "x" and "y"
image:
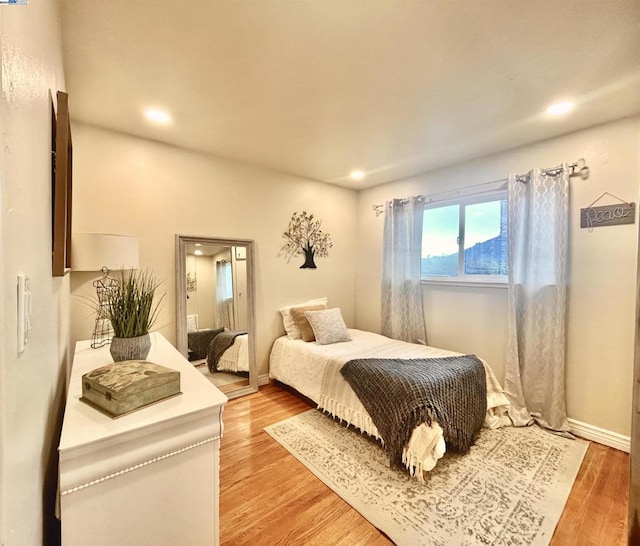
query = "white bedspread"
{"x": 314, "y": 370}
{"x": 236, "y": 357}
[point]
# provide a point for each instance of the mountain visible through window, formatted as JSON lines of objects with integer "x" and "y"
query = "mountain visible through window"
{"x": 466, "y": 240}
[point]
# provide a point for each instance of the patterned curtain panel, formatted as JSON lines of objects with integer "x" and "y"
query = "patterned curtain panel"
{"x": 402, "y": 312}
{"x": 538, "y": 209}
{"x": 224, "y": 296}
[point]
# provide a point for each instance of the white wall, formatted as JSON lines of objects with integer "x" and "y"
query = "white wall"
{"x": 134, "y": 186}
{"x": 33, "y": 382}
{"x": 602, "y": 270}
{"x": 202, "y": 301}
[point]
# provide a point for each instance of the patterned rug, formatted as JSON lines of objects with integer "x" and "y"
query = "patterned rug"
{"x": 510, "y": 489}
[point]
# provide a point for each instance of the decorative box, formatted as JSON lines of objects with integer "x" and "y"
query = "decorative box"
{"x": 123, "y": 387}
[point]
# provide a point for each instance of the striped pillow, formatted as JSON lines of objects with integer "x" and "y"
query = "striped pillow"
{"x": 287, "y": 320}
{"x": 298, "y": 315}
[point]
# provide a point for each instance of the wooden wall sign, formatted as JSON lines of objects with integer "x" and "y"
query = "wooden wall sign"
{"x": 608, "y": 215}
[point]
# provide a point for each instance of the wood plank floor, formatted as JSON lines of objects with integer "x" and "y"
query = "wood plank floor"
{"x": 268, "y": 497}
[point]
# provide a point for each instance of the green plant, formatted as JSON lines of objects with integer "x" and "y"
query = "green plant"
{"x": 130, "y": 303}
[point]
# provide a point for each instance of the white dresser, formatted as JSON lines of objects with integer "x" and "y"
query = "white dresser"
{"x": 147, "y": 478}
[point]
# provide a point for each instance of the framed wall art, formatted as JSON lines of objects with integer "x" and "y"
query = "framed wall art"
{"x": 61, "y": 167}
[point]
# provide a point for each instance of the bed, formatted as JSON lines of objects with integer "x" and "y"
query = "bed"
{"x": 236, "y": 357}
{"x": 232, "y": 353}
{"x": 314, "y": 371}
{"x": 198, "y": 342}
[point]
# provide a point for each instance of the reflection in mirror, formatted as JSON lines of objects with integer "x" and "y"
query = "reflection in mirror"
{"x": 214, "y": 305}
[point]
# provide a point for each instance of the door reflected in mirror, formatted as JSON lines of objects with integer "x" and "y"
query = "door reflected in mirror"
{"x": 215, "y": 310}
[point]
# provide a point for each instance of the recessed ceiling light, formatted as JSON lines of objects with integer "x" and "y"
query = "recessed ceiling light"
{"x": 198, "y": 252}
{"x": 560, "y": 108}
{"x": 357, "y": 175}
{"x": 157, "y": 116}
{"x": 198, "y": 244}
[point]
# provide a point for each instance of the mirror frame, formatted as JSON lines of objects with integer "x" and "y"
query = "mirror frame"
{"x": 181, "y": 301}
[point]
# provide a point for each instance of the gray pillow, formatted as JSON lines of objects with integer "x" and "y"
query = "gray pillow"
{"x": 328, "y": 326}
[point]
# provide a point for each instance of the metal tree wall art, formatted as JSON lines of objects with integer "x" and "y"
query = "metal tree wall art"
{"x": 304, "y": 236}
{"x": 192, "y": 282}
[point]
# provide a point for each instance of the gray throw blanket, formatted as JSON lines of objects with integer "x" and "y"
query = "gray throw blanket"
{"x": 401, "y": 394}
{"x": 199, "y": 341}
{"x": 218, "y": 346}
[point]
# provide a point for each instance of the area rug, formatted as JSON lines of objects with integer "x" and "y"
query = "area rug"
{"x": 510, "y": 489}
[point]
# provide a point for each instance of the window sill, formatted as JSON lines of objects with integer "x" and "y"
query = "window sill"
{"x": 474, "y": 283}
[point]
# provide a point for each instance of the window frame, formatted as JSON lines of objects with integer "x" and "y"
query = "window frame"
{"x": 489, "y": 281}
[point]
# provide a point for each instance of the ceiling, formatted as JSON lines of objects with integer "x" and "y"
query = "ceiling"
{"x": 319, "y": 88}
{"x": 206, "y": 249}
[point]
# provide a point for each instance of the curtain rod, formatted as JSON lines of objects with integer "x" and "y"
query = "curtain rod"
{"x": 578, "y": 168}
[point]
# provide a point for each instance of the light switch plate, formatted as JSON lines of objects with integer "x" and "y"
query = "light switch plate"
{"x": 24, "y": 311}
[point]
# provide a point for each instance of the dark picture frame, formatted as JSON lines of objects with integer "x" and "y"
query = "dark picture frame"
{"x": 62, "y": 186}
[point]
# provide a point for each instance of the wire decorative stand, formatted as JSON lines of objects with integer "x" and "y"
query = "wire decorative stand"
{"x": 103, "y": 331}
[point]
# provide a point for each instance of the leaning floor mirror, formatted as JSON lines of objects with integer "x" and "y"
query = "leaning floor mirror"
{"x": 215, "y": 310}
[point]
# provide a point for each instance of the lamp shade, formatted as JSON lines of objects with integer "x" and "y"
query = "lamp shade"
{"x": 93, "y": 251}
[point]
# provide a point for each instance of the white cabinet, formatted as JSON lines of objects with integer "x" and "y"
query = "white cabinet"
{"x": 147, "y": 478}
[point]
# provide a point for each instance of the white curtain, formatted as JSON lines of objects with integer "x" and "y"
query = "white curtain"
{"x": 402, "y": 312}
{"x": 224, "y": 295}
{"x": 538, "y": 209}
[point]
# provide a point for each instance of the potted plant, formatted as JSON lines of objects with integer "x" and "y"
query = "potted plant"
{"x": 132, "y": 311}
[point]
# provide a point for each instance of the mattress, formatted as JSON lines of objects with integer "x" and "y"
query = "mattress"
{"x": 314, "y": 371}
{"x": 236, "y": 357}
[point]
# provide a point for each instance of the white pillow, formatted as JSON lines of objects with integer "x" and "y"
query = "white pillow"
{"x": 328, "y": 326}
{"x": 290, "y": 324}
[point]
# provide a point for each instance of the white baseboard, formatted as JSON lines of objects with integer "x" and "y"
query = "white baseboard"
{"x": 263, "y": 379}
{"x": 600, "y": 435}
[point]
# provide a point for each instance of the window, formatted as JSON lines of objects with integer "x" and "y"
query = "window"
{"x": 224, "y": 281}
{"x": 466, "y": 240}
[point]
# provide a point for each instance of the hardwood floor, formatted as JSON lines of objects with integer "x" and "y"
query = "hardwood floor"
{"x": 230, "y": 387}
{"x": 268, "y": 497}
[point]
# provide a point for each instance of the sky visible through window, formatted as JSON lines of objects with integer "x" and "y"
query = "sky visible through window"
{"x": 482, "y": 222}
{"x": 440, "y": 227}
{"x": 484, "y": 242}
{"x": 440, "y": 231}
